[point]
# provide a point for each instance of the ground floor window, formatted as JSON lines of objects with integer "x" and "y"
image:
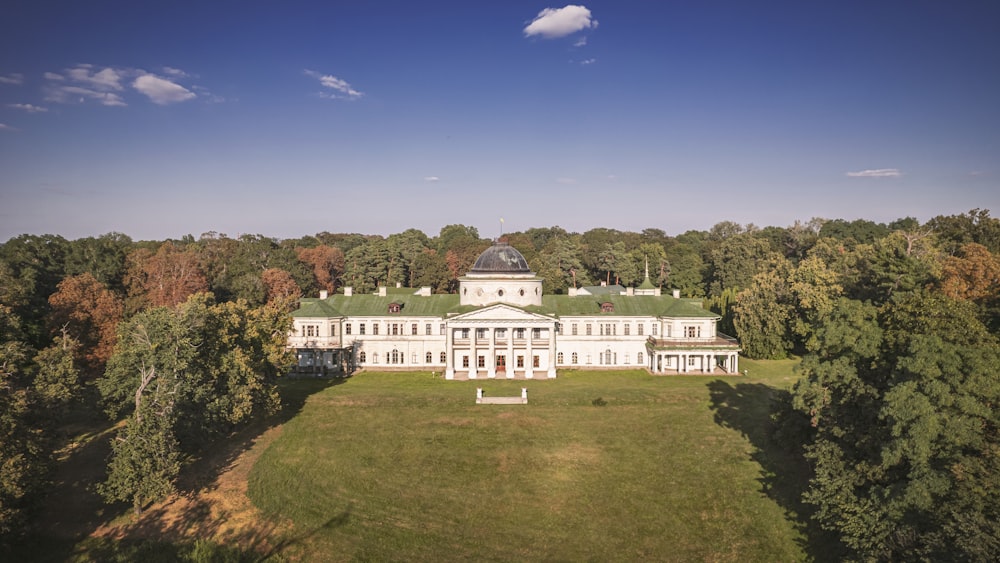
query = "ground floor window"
{"x": 559, "y": 358}
{"x": 575, "y": 358}
{"x": 465, "y": 361}
{"x": 362, "y": 357}
{"x": 481, "y": 361}
{"x": 639, "y": 358}
{"x": 428, "y": 358}
{"x": 444, "y": 357}
{"x": 534, "y": 361}
{"x": 520, "y": 362}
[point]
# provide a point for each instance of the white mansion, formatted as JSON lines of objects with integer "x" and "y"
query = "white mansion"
{"x": 500, "y": 324}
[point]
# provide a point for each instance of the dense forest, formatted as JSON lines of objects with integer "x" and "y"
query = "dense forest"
{"x": 896, "y": 325}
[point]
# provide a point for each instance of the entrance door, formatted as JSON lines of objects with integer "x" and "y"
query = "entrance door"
{"x": 501, "y": 363}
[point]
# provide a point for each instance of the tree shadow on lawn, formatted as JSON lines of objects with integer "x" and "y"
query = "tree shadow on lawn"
{"x": 73, "y": 510}
{"x": 758, "y": 412}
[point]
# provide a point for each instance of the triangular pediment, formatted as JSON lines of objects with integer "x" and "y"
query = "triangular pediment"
{"x": 500, "y": 313}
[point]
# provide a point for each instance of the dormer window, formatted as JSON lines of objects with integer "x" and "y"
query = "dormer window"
{"x": 607, "y": 307}
{"x": 395, "y": 307}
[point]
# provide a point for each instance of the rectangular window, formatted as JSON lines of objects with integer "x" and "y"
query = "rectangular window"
{"x": 589, "y": 330}
{"x": 413, "y": 329}
{"x": 347, "y": 328}
{"x": 443, "y": 333}
{"x": 628, "y": 329}
{"x": 310, "y": 330}
{"x": 574, "y": 329}
{"x": 333, "y": 329}
{"x": 481, "y": 361}
{"x": 536, "y": 333}
{"x": 520, "y": 362}
{"x": 444, "y": 357}
{"x": 465, "y": 333}
{"x": 607, "y": 329}
{"x": 692, "y": 331}
{"x": 480, "y": 333}
{"x": 465, "y": 361}
{"x": 534, "y": 361}
{"x": 375, "y": 328}
{"x": 559, "y": 329}
{"x": 395, "y": 329}
{"x": 361, "y": 328}
{"x": 427, "y": 330}
{"x": 519, "y": 333}
{"x": 655, "y": 326}
{"x": 640, "y": 327}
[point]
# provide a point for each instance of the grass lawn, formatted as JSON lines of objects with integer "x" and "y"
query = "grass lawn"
{"x": 405, "y": 466}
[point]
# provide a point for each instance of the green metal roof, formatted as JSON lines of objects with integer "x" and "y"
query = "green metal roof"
{"x": 440, "y": 306}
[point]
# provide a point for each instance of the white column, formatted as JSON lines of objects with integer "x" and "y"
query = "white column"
{"x": 736, "y": 362}
{"x": 684, "y": 363}
{"x": 491, "y": 360}
{"x": 706, "y": 363}
{"x": 510, "y": 352}
{"x": 449, "y": 353}
{"x": 529, "y": 362}
{"x": 473, "y": 359}
{"x": 552, "y": 352}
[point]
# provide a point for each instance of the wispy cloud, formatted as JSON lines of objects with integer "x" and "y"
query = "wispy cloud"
{"x": 162, "y": 91}
{"x": 431, "y": 178}
{"x": 82, "y": 83}
{"x": 581, "y": 42}
{"x": 588, "y": 61}
{"x": 876, "y": 173}
{"x": 15, "y": 78}
{"x": 346, "y": 91}
{"x": 28, "y": 108}
{"x": 108, "y": 86}
{"x": 5, "y": 127}
{"x": 175, "y": 72}
{"x": 552, "y": 23}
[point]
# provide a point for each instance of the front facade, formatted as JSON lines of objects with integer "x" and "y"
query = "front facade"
{"x": 500, "y": 324}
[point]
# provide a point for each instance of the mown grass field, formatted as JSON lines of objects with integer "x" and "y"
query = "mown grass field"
{"x": 405, "y": 466}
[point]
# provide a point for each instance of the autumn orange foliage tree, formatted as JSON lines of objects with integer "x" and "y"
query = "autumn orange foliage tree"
{"x": 87, "y": 310}
{"x": 327, "y": 263}
{"x": 280, "y": 286}
{"x": 973, "y": 275}
{"x": 163, "y": 279}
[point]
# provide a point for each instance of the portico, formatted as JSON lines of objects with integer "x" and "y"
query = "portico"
{"x": 501, "y": 341}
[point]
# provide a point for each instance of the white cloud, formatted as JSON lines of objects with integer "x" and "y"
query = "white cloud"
{"x": 876, "y": 173}
{"x": 174, "y": 72}
{"x": 5, "y": 127}
{"x": 53, "y": 76}
{"x": 431, "y": 178}
{"x": 581, "y": 42}
{"x": 338, "y": 84}
{"x": 162, "y": 91}
{"x": 16, "y": 79}
{"x": 106, "y": 79}
{"x": 28, "y": 108}
{"x": 588, "y": 61}
{"x": 79, "y": 94}
{"x": 552, "y": 23}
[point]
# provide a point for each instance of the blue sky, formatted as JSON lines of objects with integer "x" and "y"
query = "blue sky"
{"x": 291, "y": 118}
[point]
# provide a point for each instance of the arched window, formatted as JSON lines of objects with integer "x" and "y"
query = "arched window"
{"x": 559, "y": 358}
{"x": 444, "y": 357}
{"x": 395, "y": 356}
{"x": 428, "y": 358}
{"x": 362, "y": 358}
{"x": 607, "y": 357}
{"x": 575, "y": 358}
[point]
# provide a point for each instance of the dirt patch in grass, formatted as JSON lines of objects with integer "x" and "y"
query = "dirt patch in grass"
{"x": 219, "y": 511}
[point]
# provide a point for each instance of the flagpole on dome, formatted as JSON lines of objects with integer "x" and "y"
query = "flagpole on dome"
{"x": 501, "y": 229}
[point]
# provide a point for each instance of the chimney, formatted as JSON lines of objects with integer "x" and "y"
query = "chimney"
{"x": 323, "y": 294}
{"x": 677, "y": 294}
{"x": 348, "y": 291}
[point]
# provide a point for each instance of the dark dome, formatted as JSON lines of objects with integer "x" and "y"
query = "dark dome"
{"x": 501, "y": 258}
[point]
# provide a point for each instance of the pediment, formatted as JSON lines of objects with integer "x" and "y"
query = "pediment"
{"x": 500, "y": 313}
